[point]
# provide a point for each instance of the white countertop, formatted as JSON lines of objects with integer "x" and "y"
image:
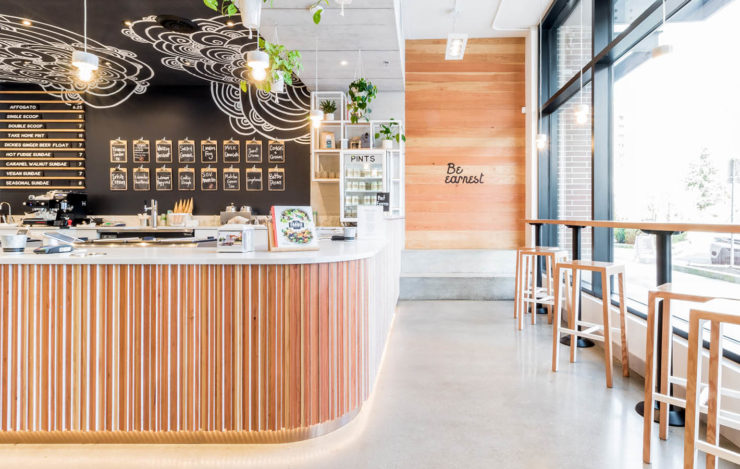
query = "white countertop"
{"x": 330, "y": 251}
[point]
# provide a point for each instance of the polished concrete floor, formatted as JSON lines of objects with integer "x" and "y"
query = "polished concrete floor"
{"x": 459, "y": 388}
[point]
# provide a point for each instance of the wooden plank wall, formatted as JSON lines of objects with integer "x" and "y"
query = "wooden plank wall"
{"x": 469, "y": 113}
{"x": 189, "y": 353}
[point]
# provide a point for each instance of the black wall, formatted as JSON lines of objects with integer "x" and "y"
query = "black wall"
{"x": 175, "y": 113}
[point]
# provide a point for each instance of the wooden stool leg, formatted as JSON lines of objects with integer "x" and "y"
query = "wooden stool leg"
{"x": 572, "y": 314}
{"x": 535, "y": 262}
{"x": 522, "y": 310}
{"x": 715, "y": 378}
{"x": 607, "y": 327}
{"x": 665, "y": 367}
{"x": 623, "y": 327}
{"x": 647, "y": 429}
{"x": 556, "y": 320}
{"x": 517, "y": 278}
{"x": 548, "y": 277}
{"x": 691, "y": 432}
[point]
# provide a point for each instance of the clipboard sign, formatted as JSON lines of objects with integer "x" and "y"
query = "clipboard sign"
{"x": 118, "y": 151}
{"x": 276, "y": 151}
{"x": 254, "y": 151}
{"x": 208, "y": 151}
{"x": 163, "y": 179}
{"x": 118, "y": 179}
{"x": 186, "y": 151}
{"x": 186, "y": 179}
{"x": 141, "y": 179}
{"x": 275, "y": 179}
{"x": 163, "y": 151}
{"x": 254, "y": 179}
{"x": 141, "y": 151}
{"x": 232, "y": 179}
{"x": 232, "y": 151}
{"x": 208, "y": 179}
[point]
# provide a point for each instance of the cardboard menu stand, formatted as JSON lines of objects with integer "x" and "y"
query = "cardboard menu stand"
{"x": 186, "y": 179}
{"x": 163, "y": 179}
{"x": 163, "y": 151}
{"x": 254, "y": 179}
{"x": 141, "y": 153}
{"x": 232, "y": 151}
{"x": 254, "y": 151}
{"x": 141, "y": 179}
{"x": 208, "y": 179}
{"x": 276, "y": 151}
{"x": 208, "y": 151}
{"x": 275, "y": 179}
{"x": 292, "y": 229}
{"x": 232, "y": 179}
{"x": 118, "y": 151}
{"x": 118, "y": 179}
{"x": 186, "y": 151}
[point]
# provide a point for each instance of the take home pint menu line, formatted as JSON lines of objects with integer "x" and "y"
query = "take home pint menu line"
{"x": 42, "y": 143}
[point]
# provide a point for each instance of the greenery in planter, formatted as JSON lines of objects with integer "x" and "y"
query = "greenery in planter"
{"x": 361, "y": 93}
{"x": 328, "y": 106}
{"x": 281, "y": 60}
{"x": 387, "y": 131}
{"x": 228, "y": 7}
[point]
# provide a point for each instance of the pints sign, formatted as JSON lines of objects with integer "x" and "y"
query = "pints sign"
{"x": 455, "y": 176}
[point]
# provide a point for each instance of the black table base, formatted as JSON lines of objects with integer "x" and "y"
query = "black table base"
{"x": 581, "y": 342}
{"x": 676, "y": 415}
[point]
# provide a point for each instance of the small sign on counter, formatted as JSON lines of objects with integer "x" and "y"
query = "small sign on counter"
{"x": 118, "y": 179}
{"x": 383, "y": 199}
{"x": 186, "y": 179}
{"x": 163, "y": 150}
{"x": 163, "y": 179}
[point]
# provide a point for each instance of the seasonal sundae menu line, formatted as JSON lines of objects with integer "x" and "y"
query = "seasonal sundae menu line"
{"x": 42, "y": 141}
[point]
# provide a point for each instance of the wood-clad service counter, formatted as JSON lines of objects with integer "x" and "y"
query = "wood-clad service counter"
{"x": 188, "y": 345}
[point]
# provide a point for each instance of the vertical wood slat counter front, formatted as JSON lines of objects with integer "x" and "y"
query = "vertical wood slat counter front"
{"x": 191, "y": 346}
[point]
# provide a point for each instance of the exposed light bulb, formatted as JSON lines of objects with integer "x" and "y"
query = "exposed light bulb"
{"x": 85, "y": 74}
{"x": 259, "y": 74}
{"x": 86, "y": 64}
{"x": 541, "y": 141}
{"x": 582, "y": 112}
{"x": 316, "y": 117}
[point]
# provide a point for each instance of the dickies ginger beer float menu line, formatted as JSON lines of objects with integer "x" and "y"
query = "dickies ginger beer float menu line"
{"x": 42, "y": 141}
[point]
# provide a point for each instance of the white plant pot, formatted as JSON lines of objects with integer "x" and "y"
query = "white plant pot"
{"x": 251, "y": 13}
{"x": 328, "y": 116}
{"x": 278, "y": 86}
{"x": 387, "y": 144}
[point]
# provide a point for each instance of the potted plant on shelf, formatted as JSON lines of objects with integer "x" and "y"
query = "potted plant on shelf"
{"x": 390, "y": 133}
{"x": 361, "y": 94}
{"x": 329, "y": 107}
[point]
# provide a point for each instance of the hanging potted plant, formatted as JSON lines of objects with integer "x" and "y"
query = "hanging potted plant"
{"x": 316, "y": 9}
{"x": 283, "y": 64}
{"x": 328, "y": 107}
{"x": 390, "y": 133}
{"x": 361, "y": 94}
{"x": 250, "y": 10}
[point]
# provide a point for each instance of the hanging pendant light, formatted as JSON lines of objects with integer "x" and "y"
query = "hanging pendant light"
{"x": 258, "y": 61}
{"x": 85, "y": 62}
{"x": 541, "y": 139}
{"x": 582, "y": 110}
{"x": 317, "y": 115}
{"x": 663, "y": 48}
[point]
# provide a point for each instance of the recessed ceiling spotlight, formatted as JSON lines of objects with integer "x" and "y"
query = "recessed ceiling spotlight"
{"x": 230, "y": 24}
{"x": 456, "y": 43}
{"x": 343, "y": 63}
{"x": 26, "y": 22}
{"x": 107, "y": 64}
{"x": 127, "y": 22}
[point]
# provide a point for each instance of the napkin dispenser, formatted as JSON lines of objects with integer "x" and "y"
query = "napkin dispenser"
{"x": 235, "y": 238}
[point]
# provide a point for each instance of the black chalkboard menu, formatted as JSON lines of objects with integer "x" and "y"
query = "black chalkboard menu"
{"x": 276, "y": 179}
{"x": 163, "y": 179}
{"x": 276, "y": 152}
{"x": 208, "y": 151}
{"x": 383, "y": 199}
{"x": 254, "y": 179}
{"x": 118, "y": 151}
{"x": 209, "y": 179}
{"x": 186, "y": 179}
{"x": 141, "y": 151}
{"x": 186, "y": 151}
{"x": 118, "y": 179}
{"x": 141, "y": 179}
{"x": 232, "y": 151}
{"x": 163, "y": 151}
{"x": 254, "y": 151}
{"x": 42, "y": 141}
{"x": 232, "y": 179}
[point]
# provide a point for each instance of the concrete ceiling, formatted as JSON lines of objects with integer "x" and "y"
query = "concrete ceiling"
{"x": 432, "y": 19}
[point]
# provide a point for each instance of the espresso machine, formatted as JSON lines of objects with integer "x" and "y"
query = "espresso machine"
{"x": 56, "y": 208}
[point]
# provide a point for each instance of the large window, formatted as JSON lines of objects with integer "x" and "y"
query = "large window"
{"x": 661, "y": 139}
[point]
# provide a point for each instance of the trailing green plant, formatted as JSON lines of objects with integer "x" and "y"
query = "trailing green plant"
{"x": 328, "y": 106}
{"x": 361, "y": 94}
{"x": 228, "y": 7}
{"x": 317, "y": 13}
{"x": 389, "y": 132}
{"x": 281, "y": 60}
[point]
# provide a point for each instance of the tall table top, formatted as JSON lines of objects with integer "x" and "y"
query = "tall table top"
{"x": 645, "y": 225}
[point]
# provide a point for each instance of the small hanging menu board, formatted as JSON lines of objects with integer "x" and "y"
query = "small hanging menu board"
{"x": 186, "y": 179}
{"x": 275, "y": 179}
{"x": 163, "y": 179}
{"x": 118, "y": 179}
{"x": 254, "y": 151}
{"x": 163, "y": 151}
{"x": 276, "y": 152}
{"x": 383, "y": 199}
{"x": 186, "y": 151}
{"x": 208, "y": 151}
{"x": 141, "y": 151}
{"x": 209, "y": 179}
{"x": 254, "y": 179}
{"x": 118, "y": 151}
{"x": 232, "y": 151}
{"x": 232, "y": 179}
{"x": 141, "y": 179}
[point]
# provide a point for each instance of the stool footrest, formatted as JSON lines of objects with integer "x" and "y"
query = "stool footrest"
{"x": 715, "y": 450}
{"x": 567, "y": 331}
{"x": 670, "y": 400}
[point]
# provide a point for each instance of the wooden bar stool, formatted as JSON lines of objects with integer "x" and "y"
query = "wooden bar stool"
{"x": 607, "y": 270}
{"x": 718, "y": 313}
{"x": 667, "y": 293}
{"x": 527, "y": 293}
